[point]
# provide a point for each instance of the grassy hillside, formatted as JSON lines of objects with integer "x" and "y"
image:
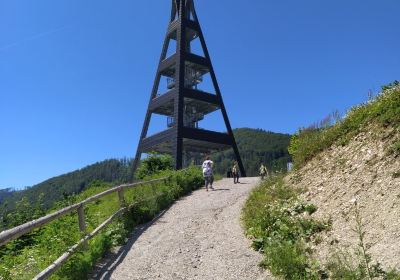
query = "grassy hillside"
{"x": 27, "y": 256}
{"x": 256, "y": 146}
{"x": 336, "y": 215}
{"x": 384, "y": 111}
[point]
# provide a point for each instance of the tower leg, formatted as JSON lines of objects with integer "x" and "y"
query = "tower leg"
{"x": 136, "y": 163}
{"x": 178, "y": 153}
{"x": 239, "y": 160}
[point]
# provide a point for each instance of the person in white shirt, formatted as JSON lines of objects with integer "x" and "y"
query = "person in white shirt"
{"x": 208, "y": 173}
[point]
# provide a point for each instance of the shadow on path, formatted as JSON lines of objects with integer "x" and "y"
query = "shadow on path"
{"x": 104, "y": 269}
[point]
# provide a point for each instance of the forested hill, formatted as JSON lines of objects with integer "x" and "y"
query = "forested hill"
{"x": 59, "y": 187}
{"x": 4, "y": 193}
{"x": 257, "y": 146}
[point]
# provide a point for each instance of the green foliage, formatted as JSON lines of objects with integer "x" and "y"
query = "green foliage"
{"x": 5, "y": 193}
{"x": 384, "y": 110}
{"x": 24, "y": 260}
{"x": 395, "y": 148}
{"x": 153, "y": 164}
{"x": 256, "y": 146}
{"x": 274, "y": 218}
{"x": 341, "y": 268}
{"x": 290, "y": 261}
{"x": 392, "y": 275}
{"x": 391, "y": 85}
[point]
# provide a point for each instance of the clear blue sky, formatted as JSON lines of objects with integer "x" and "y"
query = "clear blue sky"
{"x": 75, "y": 76}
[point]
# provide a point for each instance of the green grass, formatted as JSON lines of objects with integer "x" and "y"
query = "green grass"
{"x": 25, "y": 257}
{"x": 276, "y": 220}
{"x": 395, "y": 148}
{"x": 218, "y": 177}
{"x": 383, "y": 111}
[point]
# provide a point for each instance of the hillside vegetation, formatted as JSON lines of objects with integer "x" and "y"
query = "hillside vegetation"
{"x": 255, "y": 146}
{"x": 384, "y": 111}
{"x": 5, "y": 193}
{"x": 27, "y": 256}
{"x": 336, "y": 215}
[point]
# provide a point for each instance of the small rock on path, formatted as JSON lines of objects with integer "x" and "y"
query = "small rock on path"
{"x": 199, "y": 237}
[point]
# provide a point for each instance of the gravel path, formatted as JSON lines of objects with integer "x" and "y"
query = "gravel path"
{"x": 199, "y": 237}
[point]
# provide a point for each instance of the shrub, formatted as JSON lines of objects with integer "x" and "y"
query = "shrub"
{"x": 290, "y": 261}
{"x": 154, "y": 164}
{"x": 275, "y": 219}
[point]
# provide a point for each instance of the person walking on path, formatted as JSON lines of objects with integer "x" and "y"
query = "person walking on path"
{"x": 235, "y": 172}
{"x": 263, "y": 171}
{"x": 208, "y": 173}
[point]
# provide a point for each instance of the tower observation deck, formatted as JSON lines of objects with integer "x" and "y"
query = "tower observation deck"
{"x": 182, "y": 101}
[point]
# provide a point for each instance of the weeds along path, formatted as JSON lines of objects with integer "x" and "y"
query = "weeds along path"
{"x": 199, "y": 237}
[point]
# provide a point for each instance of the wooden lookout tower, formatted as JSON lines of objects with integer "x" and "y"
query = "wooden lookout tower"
{"x": 181, "y": 99}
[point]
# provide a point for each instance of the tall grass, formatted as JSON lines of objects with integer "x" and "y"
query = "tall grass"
{"x": 19, "y": 260}
{"x": 342, "y": 265}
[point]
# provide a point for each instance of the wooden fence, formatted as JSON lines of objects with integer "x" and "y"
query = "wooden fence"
{"x": 11, "y": 234}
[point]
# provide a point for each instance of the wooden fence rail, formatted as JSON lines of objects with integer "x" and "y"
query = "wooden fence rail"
{"x": 11, "y": 234}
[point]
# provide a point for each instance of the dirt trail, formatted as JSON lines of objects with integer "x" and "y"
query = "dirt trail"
{"x": 199, "y": 237}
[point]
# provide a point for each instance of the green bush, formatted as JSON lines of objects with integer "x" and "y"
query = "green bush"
{"x": 275, "y": 219}
{"x": 395, "y": 148}
{"x": 384, "y": 110}
{"x": 290, "y": 260}
{"x": 154, "y": 164}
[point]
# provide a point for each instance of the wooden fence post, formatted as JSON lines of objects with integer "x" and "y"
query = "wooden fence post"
{"x": 121, "y": 197}
{"x": 82, "y": 224}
